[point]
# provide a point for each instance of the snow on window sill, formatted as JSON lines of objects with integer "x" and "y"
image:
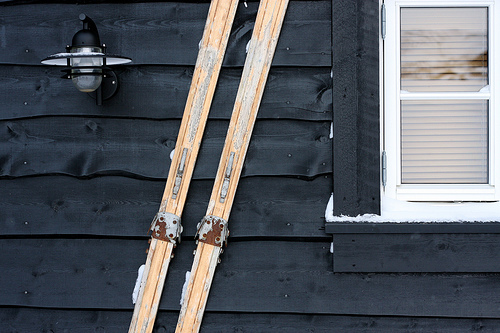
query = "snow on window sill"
{"x": 393, "y": 210}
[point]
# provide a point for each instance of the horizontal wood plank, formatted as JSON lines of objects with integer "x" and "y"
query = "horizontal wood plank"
{"x": 416, "y": 252}
{"x": 122, "y": 206}
{"x": 83, "y": 321}
{"x": 160, "y": 32}
{"x": 295, "y": 277}
{"x": 84, "y": 146}
{"x": 160, "y": 92}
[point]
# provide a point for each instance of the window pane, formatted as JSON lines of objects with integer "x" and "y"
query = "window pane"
{"x": 444, "y": 142}
{"x": 444, "y": 49}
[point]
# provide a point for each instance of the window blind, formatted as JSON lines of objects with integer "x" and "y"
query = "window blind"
{"x": 444, "y": 50}
{"x": 444, "y": 142}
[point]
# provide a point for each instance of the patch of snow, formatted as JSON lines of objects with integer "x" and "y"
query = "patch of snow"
{"x": 172, "y": 154}
{"x": 248, "y": 46}
{"x": 331, "y": 130}
{"x": 331, "y": 247}
{"x": 401, "y": 211}
{"x": 329, "y": 210}
{"x": 184, "y": 287}
{"x": 245, "y": 3}
{"x": 137, "y": 287}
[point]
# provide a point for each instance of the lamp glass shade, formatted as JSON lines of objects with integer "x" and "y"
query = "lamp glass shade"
{"x": 86, "y": 72}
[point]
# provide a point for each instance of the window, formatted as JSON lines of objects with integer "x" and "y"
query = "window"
{"x": 441, "y": 113}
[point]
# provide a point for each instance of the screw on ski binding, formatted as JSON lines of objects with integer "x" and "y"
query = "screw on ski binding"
{"x": 167, "y": 227}
{"x": 213, "y": 230}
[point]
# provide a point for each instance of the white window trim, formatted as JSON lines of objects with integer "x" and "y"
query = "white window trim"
{"x": 393, "y": 189}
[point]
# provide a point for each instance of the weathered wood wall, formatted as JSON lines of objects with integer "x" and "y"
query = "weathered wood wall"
{"x": 415, "y": 247}
{"x": 81, "y": 183}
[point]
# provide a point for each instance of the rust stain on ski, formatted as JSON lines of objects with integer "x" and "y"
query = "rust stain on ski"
{"x": 213, "y": 230}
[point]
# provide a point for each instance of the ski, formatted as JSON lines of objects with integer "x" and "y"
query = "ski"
{"x": 166, "y": 226}
{"x": 213, "y": 229}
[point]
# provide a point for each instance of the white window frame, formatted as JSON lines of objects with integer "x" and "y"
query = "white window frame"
{"x": 390, "y": 115}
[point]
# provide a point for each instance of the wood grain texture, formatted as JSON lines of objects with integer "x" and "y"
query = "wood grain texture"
{"x": 261, "y": 50}
{"x": 198, "y": 288}
{"x": 160, "y": 32}
{"x": 151, "y": 286}
{"x": 296, "y": 277}
{"x": 84, "y": 321}
{"x": 253, "y": 81}
{"x": 84, "y": 146}
{"x": 208, "y": 64}
{"x": 416, "y": 253}
{"x": 212, "y": 49}
{"x": 120, "y": 206}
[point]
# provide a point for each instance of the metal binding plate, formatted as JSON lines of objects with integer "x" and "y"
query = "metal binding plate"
{"x": 167, "y": 227}
{"x": 179, "y": 174}
{"x": 227, "y": 178}
{"x": 213, "y": 230}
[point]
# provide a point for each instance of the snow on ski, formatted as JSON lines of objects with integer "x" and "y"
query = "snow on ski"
{"x": 166, "y": 227}
{"x": 213, "y": 229}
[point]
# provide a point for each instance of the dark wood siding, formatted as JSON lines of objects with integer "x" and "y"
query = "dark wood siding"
{"x": 158, "y": 92}
{"x": 415, "y": 247}
{"x": 356, "y": 131}
{"x": 25, "y": 319}
{"x": 81, "y": 183}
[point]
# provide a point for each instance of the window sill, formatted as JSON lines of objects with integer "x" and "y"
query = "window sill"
{"x": 436, "y": 212}
{"x": 446, "y": 193}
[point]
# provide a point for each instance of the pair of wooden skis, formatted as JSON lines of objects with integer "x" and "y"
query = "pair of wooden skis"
{"x": 213, "y": 228}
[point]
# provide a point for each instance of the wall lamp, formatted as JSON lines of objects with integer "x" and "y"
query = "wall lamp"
{"x": 87, "y": 63}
